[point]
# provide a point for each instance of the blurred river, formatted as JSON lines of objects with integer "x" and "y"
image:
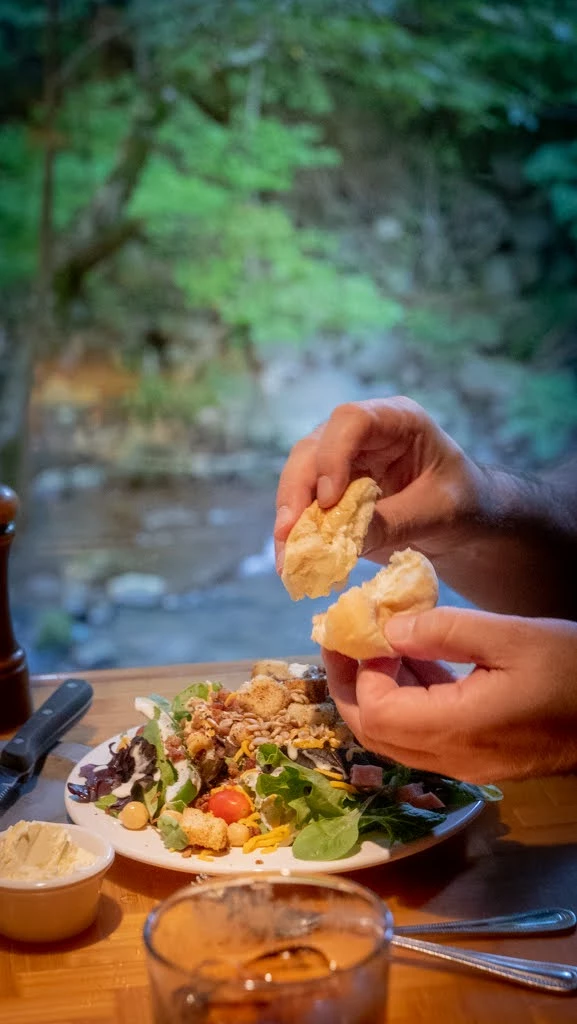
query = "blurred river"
{"x": 106, "y": 575}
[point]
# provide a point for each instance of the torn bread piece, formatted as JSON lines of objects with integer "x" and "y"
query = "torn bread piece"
{"x": 355, "y": 624}
{"x": 325, "y": 544}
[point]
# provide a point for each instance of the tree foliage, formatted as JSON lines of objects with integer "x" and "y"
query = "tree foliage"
{"x": 175, "y": 134}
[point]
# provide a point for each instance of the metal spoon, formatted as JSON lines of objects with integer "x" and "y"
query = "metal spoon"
{"x": 537, "y": 974}
{"x": 530, "y": 922}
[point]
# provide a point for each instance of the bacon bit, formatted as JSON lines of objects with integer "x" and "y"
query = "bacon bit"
{"x": 174, "y": 749}
{"x": 201, "y": 803}
{"x": 405, "y": 794}
{"x": 259, "y": 861}
{"x": 367, "y": 776}
{"x": 186, "y": 853}
{"x": 413, "y": 793}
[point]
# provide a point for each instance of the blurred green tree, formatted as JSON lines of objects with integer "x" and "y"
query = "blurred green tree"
{"x": 172, "y": 132}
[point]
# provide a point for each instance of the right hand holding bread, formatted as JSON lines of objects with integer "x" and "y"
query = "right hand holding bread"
{"x": 430, "y": 491}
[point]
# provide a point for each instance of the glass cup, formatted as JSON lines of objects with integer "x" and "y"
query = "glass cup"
{"x": 269, "y": 949}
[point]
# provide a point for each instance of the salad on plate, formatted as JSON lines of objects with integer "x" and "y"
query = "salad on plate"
{"x": 269, "y": 765}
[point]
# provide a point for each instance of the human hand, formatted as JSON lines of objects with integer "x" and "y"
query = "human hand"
{"x": 431, "y": 490}
{"x": 513, "y": 716}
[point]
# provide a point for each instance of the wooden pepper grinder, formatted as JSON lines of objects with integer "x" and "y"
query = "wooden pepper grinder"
{"x": 15, "y": 700}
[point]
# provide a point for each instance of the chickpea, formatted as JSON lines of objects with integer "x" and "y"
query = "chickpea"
{"x": 134, "y": 815}
{"x": 238, "y": 834}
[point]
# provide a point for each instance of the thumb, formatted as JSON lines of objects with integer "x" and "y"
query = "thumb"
{"x": 457, "y": 634}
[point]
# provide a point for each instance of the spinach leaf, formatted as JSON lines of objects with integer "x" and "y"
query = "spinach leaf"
{"x": 173, "y": 837}
{"x": 202, "y": 690}
{"x": 400, "y": 823}
{"x": 328, "y": 839}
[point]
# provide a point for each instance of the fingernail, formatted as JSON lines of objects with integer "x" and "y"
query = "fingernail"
{"x": 284, "y": 516}
{"x": 280, "y": 546}
{"x": 325, "y": 491}
{"x": 399, "y": 629}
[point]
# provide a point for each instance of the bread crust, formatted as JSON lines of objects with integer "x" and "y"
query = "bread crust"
{"x": 354, "y": 625}
{"x": 325, "y": 544}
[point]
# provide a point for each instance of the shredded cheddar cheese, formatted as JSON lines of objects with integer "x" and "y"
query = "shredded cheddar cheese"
{"x": 243, "y": 751}
{"x": 251, "y": 820}
{"x": 205, "y": 855}
{"x": 330, "y": 775}
{"x": 309, "y": 744}
{"x": 344, "y": 785}
{"x": 267, "y": 839}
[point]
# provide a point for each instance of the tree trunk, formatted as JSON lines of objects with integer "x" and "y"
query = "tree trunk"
{"x": 102, "y": 228}
{"x": 51, "y": 97}
{"x": 15, "y": 380}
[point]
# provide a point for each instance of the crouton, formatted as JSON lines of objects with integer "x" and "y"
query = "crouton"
{"x": 278, "y": 670}
{"x": 203, "y": 829}
{"x": 263, "y": 696}
{"x": 302, "y": 715}
{"x": 315, "y": 690}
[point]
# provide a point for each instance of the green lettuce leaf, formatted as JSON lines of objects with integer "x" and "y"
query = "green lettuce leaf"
{"x": 165, "y": 767}
{"x": 184, "y": 797}
{"x": 297, "y": 782}
{"x": 151, "y": 797}
{"x": 178, "y": 707}
{"x": 162, "y": 703}
{"x": 104, "y": 802}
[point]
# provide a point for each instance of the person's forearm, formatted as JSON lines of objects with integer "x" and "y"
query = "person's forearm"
{"x": 521, "y": 557}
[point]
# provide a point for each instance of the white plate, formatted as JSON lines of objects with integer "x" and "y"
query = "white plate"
{"x": 147, "y": 846}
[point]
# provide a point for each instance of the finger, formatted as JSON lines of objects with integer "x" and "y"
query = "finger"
{"x": 355, "y": 428}
{"x": 341, "y": 680}
{"x": 295, "y": 492}
{"x": 414, "y": 717}
{"x": 460, "y": 635}
{"x": 429, "y": 673}
{"x": 413, "y": 511}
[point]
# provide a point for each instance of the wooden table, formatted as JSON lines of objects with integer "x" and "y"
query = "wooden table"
{"x": 517, "y": 855}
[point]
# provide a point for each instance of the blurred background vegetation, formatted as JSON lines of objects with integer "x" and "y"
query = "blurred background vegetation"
{"x": 221, "y": 218}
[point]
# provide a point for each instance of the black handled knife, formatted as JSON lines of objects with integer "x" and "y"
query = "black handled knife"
{"x": 43, "y": 729}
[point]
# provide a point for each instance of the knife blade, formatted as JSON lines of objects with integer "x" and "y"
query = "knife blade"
{"x": 43, "y": 729}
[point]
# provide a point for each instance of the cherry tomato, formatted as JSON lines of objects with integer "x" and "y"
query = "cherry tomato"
{"x": 230, "y": 805}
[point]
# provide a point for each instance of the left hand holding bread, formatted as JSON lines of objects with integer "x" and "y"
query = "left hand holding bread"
{"x": 511, "y": 717}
